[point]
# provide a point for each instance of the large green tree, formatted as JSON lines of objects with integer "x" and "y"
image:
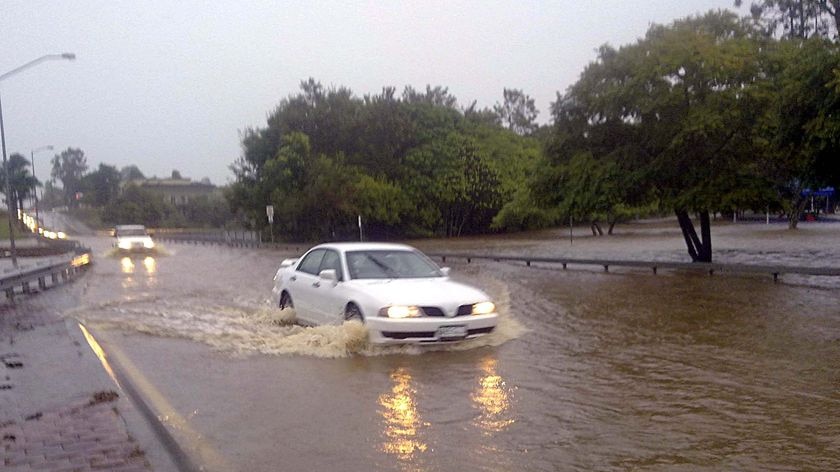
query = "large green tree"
{"x": 69, "y": 167}
{"x": 101, "y": 186}
{"x": 674, "y": 114}
{"x": 801, "y": 128}
{"x": 409, "y": 164}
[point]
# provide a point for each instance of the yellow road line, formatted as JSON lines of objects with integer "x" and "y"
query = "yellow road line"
{"x": 164, "y": 411}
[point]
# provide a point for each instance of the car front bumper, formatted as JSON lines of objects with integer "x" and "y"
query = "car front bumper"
{"x": 429, "y": 330}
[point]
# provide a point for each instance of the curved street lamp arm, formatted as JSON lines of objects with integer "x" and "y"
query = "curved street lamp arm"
{"x": 47, "y": 57}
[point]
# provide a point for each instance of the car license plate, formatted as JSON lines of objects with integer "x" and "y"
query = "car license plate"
{"x": 452, "y": 332}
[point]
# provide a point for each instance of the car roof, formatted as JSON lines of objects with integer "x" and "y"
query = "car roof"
{"x": 129, "y": 227}
{"x": 359, "y": 246}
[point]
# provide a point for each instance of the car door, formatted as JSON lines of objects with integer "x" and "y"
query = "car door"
{"x": 302, "y": 286}
{"x": 330, "y": 296}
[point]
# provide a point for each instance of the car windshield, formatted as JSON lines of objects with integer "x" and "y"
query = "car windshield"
{"x": 390, "y": 264}
{"x": 131, "y": 232}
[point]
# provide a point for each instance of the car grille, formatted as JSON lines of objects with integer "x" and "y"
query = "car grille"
{"x": 463, "y": 310}
{"x": 432, "y": 311}
{"x": 431, "y": 334}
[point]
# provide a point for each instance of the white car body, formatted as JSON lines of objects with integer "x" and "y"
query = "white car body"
{"x": 132, "y": 238}
{"x": 449, "y": 311}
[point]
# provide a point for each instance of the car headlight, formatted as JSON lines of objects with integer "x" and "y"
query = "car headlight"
{"x": 483, "y": 308}
{"x": 401, "y": 311}
{"x": 124, "y": 244}
{"x": 148, "y": 244}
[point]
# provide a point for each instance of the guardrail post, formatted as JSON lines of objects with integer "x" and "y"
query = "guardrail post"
{"x": 26, "y": 288}
{"x": 42, "y": 283}
{"x": 10, "y": 293}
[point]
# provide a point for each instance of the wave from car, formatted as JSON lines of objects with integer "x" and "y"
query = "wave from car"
{"x": 394, "y": 289}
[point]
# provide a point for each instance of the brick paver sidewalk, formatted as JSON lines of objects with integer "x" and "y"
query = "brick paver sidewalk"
{"x": 83, "y": 435}
{"x": 58, "y": 410}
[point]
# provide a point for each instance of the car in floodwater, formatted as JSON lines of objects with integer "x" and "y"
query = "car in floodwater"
{"x": 400, "y": 294}
{"x": 132, "y": 238}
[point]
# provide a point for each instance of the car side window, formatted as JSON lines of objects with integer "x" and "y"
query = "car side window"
{"x": 312, "y": 262}
{"x": 331, "y": 261}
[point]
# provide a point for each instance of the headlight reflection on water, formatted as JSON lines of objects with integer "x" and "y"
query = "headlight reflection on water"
{"x": 150, "y": 264}
{"x": 492, "y": 398}
{"x": 127, "y": 265}
{"x": 402, "y": 422}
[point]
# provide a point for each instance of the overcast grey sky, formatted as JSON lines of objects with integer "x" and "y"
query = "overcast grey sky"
{"x": 168, "y": 84}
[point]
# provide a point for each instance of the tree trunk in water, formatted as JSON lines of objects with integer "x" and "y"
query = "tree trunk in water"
{"x": 798, "y": 208}
{"x": 612, "y": 225}
{"x": 596, "y": 229}
{"x": 699, "y": 250}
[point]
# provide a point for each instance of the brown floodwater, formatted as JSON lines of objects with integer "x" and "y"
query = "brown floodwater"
{"x": 589, "y": 370}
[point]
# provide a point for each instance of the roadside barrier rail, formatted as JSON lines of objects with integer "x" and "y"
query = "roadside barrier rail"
{"x": 233, "y": 238}
{"x": 709, "y": 267}
{"x": 56, "y": 271}
{"x": 251, "y": 239}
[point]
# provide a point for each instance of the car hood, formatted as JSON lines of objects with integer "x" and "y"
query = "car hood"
{"x": 439, "y": 291}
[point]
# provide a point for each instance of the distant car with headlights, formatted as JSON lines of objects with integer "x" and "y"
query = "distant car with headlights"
{"x": 394, "y": 289}
{"x": 132, "y": 238}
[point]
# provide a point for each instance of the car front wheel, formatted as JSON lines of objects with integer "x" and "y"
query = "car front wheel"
{"x": 286, "y": 301}
{"x": 352, "y": 313}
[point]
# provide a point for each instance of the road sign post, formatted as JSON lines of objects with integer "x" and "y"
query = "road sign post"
{"x": 269, "y": 212}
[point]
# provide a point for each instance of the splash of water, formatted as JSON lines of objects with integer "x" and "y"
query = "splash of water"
{"x": 242, "y": 327}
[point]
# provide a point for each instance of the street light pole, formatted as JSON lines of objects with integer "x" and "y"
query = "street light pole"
{"x": 35, "y": 179}
{"x": 34, "y": 62}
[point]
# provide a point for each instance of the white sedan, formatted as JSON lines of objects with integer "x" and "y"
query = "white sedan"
{"x": 398, "y": 292}
{"x": 131, "y": 238}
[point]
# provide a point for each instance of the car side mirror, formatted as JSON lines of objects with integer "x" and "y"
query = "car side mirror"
{"x": 445, "y": 271}
{"x": 328, "y": 274}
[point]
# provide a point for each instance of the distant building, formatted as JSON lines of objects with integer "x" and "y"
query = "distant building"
{"x": 178, "y": 191}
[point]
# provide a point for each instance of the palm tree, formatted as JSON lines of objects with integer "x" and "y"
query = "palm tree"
{"x": 21, "y": 181}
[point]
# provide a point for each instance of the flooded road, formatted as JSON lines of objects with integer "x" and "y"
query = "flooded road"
{"x": 588, "y": 371}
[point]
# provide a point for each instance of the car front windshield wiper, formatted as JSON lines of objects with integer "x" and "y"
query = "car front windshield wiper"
{"x": 389, "y": 271}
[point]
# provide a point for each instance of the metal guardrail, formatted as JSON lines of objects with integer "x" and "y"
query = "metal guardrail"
{"x": 233, "y": 238}
{"x": 710, "y": 268}
{"x": 56, "y": 271}
{"x": 229, "y": 238}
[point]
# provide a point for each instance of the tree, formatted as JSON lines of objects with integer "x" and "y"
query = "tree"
{"x": 21, "y": 181}
{"x": 801, "y": 130}
{"x": 675, "y": 111}
{"x": 797, "y": 18}
{"x": 518, "y": 112}
{"x": 101, "y": 186}
{"x": 176, "y": 175}
{"x": 410, "y": 164}
{"x": 69, "y": 167}
{"x": 139, "y": 206}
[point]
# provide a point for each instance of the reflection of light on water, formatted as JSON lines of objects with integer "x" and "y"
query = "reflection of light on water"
{"x": 127, "y": 265}
{"x": 492, "y": 398}
{"x": 401, "y": 418}
{"x": 150, "y": 264}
